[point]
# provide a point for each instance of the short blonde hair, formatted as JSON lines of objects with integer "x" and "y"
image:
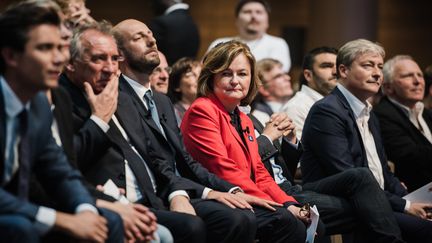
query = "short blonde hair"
{"x": 218, "y": 59}
{"x": 352, "y": 49}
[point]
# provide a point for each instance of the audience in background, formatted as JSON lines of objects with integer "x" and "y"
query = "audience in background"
{"x": 183, "y": 85}
{"x": 317, "y": 80}
{"x": 252, "y": 21}
{"x": 341, "y": 133}
{"x": 175, "y": 30}
{"x": 159, "y": 78}
{"x": 405, "y": 124}
{"x": 275, "y": 90}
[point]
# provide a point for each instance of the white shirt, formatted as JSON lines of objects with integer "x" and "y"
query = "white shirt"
{"x": 362, "y": 114}
{"x": 415, "y": 115}
{"x": 267, "y": 46}
{"x": 297, "y": 108}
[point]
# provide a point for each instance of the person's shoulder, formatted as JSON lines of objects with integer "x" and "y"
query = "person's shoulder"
{"x": 384, "y": 106}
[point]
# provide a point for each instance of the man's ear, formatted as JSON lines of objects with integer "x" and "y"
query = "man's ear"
{"x": 307, "y": 74}
{"x": 343, "y": 71}
{"x": 10, "y": 56}
{"x": 263, "y": 91}
{"x": 70, "y": 67}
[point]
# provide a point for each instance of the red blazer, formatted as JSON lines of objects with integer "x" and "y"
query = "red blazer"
{"x": 213, "y": 141}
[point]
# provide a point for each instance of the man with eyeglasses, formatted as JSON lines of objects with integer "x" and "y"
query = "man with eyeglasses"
{"x": 275, "y": 90}
{"x": 159, "y": 78}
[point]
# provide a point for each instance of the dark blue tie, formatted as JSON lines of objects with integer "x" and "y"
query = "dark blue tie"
{"x": 24, "y": 156}
{"x": 153, "y": 110}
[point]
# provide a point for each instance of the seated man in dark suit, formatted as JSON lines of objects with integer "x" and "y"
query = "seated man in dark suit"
{"x": 405, "y": 124}
{"x": 128, "y": 158}
{"x": 340, "y": 133}
{"x": 342, "y": 199}
{"x": 31, "y": 61}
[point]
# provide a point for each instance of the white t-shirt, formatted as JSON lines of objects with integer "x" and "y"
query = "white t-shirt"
{"x": 266, "y": 47}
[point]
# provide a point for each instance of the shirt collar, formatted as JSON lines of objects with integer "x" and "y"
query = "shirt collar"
{"x": 356, "y": 105}
{"x": 175, "y": 7}
{"x": 311, "y": 93}
{"x": 417, "y": 110}
{"x": 139, "y": 89}
{"x": 13, "y": 105}
{"x": 274, "y": 105}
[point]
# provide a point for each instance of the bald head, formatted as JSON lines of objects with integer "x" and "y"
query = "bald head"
{"x": 137, "y": 45}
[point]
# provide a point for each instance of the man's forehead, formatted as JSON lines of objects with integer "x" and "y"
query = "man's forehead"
{"x": 44, "y": 33}
{"x": 98, "y": 40}
{"x": 253, "y": 5}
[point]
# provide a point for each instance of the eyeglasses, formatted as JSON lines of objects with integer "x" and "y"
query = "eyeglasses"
{"x": 160, "y": 69}
{"x": 305, "y": 211}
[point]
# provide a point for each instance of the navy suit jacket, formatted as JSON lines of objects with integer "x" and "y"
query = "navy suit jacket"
{"x": 332, "y": 143}
{"x": 47, "y": 161}
{"x": 405, "y": 145}
{"x": 174, "y": 147}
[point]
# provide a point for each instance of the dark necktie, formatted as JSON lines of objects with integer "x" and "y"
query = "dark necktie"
{"x": 153, "y": 110}
{"x": 24, "y": 156}
{"x": 138, "y": 168}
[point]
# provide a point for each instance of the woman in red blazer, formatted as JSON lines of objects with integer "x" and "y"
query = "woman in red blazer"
{"x": 221, "y": 137}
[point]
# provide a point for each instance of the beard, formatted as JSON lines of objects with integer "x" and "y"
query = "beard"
{"x": 140, "y": 63}
{"x": 325, "y": 86}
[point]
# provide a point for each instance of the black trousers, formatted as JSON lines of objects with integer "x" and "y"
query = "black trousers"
{"x": 352, "y": 201}
{"x": 215, "y": 222}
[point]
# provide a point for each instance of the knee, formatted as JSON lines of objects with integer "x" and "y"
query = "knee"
{"x": 243, "y": 219}
{"x": 360, "y": 175}
{"x": 293, "y": 227}
{"x": 195, "y": 227}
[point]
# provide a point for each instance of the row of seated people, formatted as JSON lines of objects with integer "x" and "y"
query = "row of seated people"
{"x": 118, "y": 129}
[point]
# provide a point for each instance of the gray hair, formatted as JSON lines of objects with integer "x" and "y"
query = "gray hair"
{"x": 388, "y": 68}
{"x": 76, "y": 49}
{"x": 352, "y": 49}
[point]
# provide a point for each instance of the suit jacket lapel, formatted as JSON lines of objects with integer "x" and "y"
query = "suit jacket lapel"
{"x": 346, "y": 106}
{"x": 145, "y": 114}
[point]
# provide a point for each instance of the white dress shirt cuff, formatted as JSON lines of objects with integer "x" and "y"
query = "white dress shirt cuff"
{"x": 407, "y": 205}
{"x": 206, "y": 192}
{"x": 103, "y": 125}
{"x": 45, "y": 219}
{"x": 235, "y": 188}
{"x": 86, "y": 207}
{"x": 177, "y": 193}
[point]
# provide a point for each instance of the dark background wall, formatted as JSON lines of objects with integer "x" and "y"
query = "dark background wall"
{"x": 401, "y": 26}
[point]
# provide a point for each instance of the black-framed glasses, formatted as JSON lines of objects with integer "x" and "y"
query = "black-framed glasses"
{"x": 305, "y": 210}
